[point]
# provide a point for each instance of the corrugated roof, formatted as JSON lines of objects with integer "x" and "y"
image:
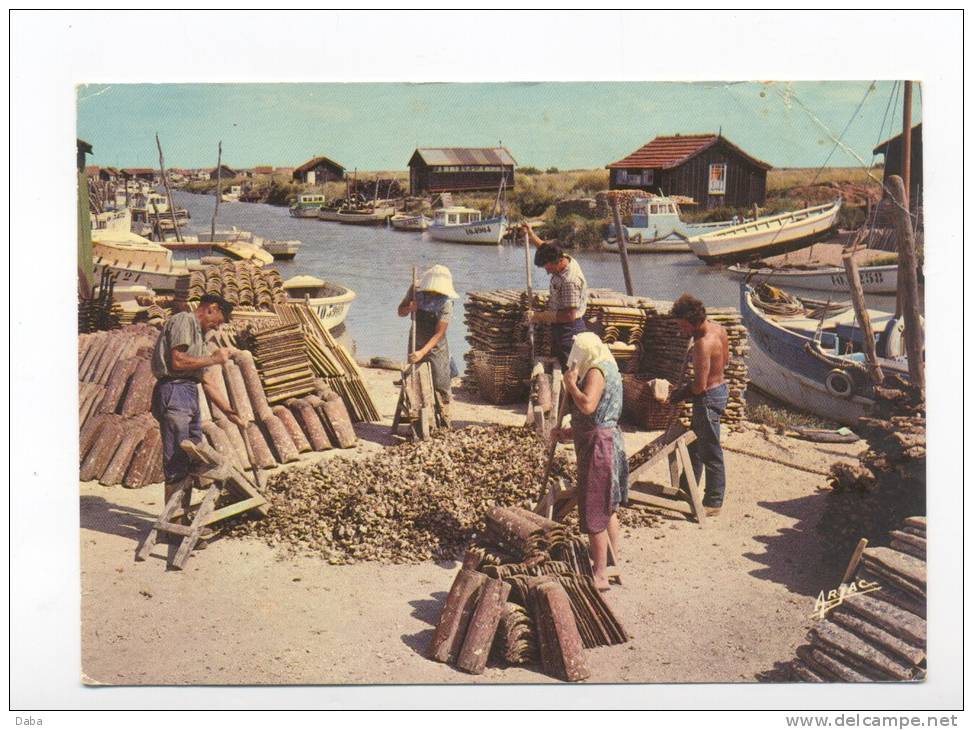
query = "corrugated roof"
{"x": 464, "y": 156}
{"x": 263, "y": 169}
{"x": 668, "y": 152}
{"x": 315, "y": 161}
{"x": 882, "y": 148}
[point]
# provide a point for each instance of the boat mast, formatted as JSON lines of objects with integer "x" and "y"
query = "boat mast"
{"x": 907, "y": 140}
{"x": 219, "y": 190}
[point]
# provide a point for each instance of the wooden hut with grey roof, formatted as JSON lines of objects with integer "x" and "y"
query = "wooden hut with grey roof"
{"x": 460, "y": 169}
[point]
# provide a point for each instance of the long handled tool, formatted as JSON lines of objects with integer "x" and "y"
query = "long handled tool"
{"x": 562, "y": 409}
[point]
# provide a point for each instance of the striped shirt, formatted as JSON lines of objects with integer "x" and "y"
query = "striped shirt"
{"x": 569, "y": 289}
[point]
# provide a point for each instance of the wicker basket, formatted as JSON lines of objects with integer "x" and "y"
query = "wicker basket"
{"x": 641, "y": 408}
{"x": 501, "y": 379}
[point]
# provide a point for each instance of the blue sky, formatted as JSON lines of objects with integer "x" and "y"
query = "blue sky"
{"x": 564, "y": 125}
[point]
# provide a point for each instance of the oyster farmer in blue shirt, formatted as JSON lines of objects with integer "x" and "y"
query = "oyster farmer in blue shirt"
{"x": 434, "y": 309}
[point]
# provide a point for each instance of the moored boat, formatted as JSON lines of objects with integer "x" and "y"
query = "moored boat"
{"x": 874, "y": 279}
{"x": 329, "y": 300}
{"x": 657, "y": 227}
{"x": 307, "y": 205}
{"x": 767, "y": 236}
{"x": 367, "y": 216}
{"x": 406, "y": 222}
{"x": 814, "y": 362}
{"x": 136, "y": 261}
{"x": 457, "y": 224}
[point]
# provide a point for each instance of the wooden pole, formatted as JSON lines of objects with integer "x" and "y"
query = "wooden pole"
{"x": 907, "y": 139}
{"x": 219, "y": 189}
{"x": 412, "y": 333}
{"x": 861, "y": 312}
{"x": 622, "y": 245}
{"x": 165, "y": 184}
{"x": 530, "y": 293}
{"x": 908, "y": 283}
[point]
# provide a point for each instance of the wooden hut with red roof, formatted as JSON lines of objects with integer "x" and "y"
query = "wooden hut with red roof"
{"x": 705, "y": 167}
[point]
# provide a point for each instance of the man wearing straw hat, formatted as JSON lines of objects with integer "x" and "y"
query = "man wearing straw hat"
{"x": 568, "y": 295}
{"x": 434, "y": 309}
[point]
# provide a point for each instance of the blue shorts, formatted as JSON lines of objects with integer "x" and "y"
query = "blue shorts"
{"x": 175, "y": 405}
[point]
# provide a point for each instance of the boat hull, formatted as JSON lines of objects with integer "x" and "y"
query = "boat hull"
{"x": 377, "y": 218}
{"x": 779, "y": 364}
{"x": 160, "y": 279}
{"x": 304, "y": 212}
{"x": 767, "y": 236}
{"x": 484, "y": 232}
{"x": 663, "y": 246}
{"x": 411, "y": 223}
{"x": 327, "y": 215}
{"x": 874, "y": 279}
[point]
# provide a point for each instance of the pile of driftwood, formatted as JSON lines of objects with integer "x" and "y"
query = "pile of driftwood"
{"x": 517, "y": 600}
{"x": 872, "y": 497}
{"x": 120, "y": 441}
{"x": 239, "y": 282}
{"x": 874, "y": 634}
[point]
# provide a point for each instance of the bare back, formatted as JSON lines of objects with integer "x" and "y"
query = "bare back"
{"x": 711, "y": 353}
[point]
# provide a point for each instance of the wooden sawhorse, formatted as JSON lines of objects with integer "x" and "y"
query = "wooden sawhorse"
{"x": 418, "y": 404}
{"x": 208, "y": 467}
{"x": 673, "y": 447}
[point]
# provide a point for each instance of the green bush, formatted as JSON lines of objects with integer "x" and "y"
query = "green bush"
{"x": 573, "y": 231}
{"x": 552, "y": 171}
{"x": 529, "y": 170}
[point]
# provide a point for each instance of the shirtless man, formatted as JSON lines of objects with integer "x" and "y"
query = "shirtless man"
{"x": 709, "y": 393}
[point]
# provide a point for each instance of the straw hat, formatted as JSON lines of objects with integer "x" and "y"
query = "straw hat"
{"x": 438, "y": 279}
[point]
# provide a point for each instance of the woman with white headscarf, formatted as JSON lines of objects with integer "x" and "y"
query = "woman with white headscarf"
{"x": 595, "y": 387}
{"x": 434, "y": 309}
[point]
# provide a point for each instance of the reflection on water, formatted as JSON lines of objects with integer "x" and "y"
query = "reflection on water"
{"x": 377, "y": 263}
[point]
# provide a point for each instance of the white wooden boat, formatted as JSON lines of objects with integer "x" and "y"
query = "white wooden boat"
{"x": 767, "y": 236}
{"x": 237, "y": 245}
{"x": 331, "y": 301}
{"x": 135, "y": 260}
{"x": 804, "y": 361}
{"x": 307, "y": 205}
{"x": 466, "y": 225}
{"x": 328, "y": 213}
{"x": 232, "y": 195}
{"x": 282, "y": 250}
{"x": 370, "y": 216}
{"x": 874, "y": 279}
{"x": 657, "y": 227}
{"x": 405, "y": 222}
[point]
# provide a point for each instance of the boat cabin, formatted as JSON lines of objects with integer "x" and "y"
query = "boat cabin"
{"x": 457, "y": 216}
{"x": 655, "y": 209}
{"x": 310, "y": 199}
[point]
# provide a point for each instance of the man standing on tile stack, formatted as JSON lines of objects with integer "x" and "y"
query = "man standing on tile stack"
{"x": 568, "y": 298}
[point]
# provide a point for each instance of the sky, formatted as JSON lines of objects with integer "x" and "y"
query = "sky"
{"x": 370, "y": 126}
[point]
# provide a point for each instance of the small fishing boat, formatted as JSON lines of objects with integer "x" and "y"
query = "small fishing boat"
{"x": 466, "y": 225}
{"x": 657, "y": 227}
{"x": 767, "y": 236}
{"x": 874, "y": 279}
{"x": 307, "y": 205}
{"x": 331, "y": 301}
{"x": 135, "y": 260}
{"x": 368, "y": 216}
{"x": 232, "y": 195}
{"x": 282, "y": 250}
{"x": 812, "y": 360}
{"x": 405, "y": 222}
{"x": 237, "y": 245}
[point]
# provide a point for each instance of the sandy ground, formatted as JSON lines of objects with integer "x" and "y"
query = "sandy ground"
{"x": 713, "y": 604}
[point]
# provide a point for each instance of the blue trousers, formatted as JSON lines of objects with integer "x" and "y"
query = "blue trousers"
{"x": 563, "y": 334}
{"x": 175, "y": 405}
{"x": 705, "y": 452}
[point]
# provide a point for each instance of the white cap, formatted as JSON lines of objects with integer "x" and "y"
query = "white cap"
{"x": 438, "y": 279}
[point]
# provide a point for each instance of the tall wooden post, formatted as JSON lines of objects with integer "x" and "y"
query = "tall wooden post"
{"x": 622, "y": 244}
{"x": 219, "y": 190}
{"x": 907, "y": 139}
{"x": 530, "y": 294}
{"x": 861, "y": 312}
{"x": 908, "y": 288}
{"x": 165, "y": 184}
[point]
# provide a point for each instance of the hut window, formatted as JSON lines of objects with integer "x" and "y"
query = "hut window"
{"x": 717, "y": 179}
